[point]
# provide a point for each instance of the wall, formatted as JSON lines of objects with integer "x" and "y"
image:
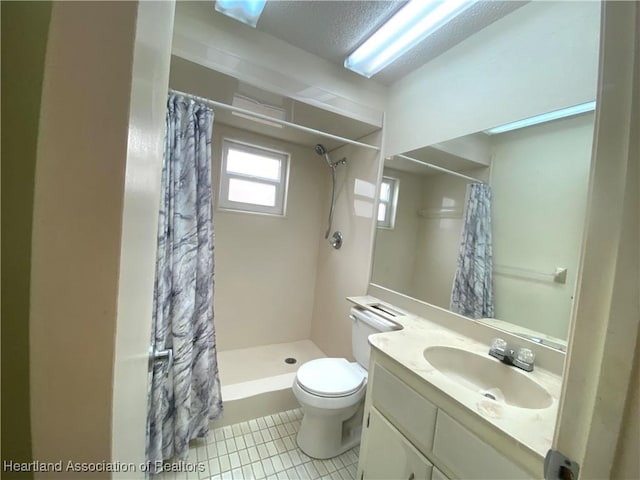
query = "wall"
{"x": 266, "y": 265}
{"x": 539, "y": 58}
{"x": 539, "y": 178}
{"x": 346, "y": 272}
{"x": 439, "y": 239}
{"x": 394, "y": 256}
{"x": 92, "y": 100}
{"x": 22, "y": 73}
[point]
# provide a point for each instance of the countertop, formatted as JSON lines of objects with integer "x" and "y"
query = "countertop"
{"x": 532, "y": 429}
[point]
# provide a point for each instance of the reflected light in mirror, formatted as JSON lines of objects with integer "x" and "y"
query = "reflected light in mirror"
{"x": 545, "y": 117}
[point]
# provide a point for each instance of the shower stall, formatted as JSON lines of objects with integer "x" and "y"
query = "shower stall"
{"x": 280, "y": 287}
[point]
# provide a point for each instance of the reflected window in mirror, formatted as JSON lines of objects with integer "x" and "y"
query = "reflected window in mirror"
{"x": 388, "y": 202}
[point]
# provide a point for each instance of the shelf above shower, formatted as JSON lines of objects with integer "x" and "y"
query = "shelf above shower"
{"x": 277, "y": 116}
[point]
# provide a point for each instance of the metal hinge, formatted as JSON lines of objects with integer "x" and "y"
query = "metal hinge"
{"x": 559, "y": 467}
{"x": 368, "y": 419}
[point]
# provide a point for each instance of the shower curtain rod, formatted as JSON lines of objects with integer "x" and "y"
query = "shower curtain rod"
{"x": 284, "y": 123}
{"x": 441, "y": 169}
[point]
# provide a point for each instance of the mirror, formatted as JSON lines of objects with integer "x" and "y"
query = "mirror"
{"x": 538, "y": 176}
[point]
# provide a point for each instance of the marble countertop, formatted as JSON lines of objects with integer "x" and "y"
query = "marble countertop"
{"x": 530, "y": 428}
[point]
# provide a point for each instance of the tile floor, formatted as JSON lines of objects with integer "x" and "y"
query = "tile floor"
{"x": 263, "y": 448}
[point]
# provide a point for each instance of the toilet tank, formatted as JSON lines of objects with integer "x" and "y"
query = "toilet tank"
{"x": 365, "y": 323}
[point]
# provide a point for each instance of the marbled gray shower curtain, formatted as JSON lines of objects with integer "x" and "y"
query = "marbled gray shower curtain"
{"x": 472, "y": 293}
{"x": 183, "y": 399}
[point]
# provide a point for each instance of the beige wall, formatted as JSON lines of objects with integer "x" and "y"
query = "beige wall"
{"x": 346, "y": 272}
{"x": 539, "y": 58}
{"x": 539, "y": 178}
{"x": 81, "y": 189}
{"x": 266, "y": 265}
{"x": 394, "y": 257}
{"x": 439, "y": 239}
{"x": 22, "y": 74}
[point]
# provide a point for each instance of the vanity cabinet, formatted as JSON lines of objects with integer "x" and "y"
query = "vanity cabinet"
{"x": 408, "y": 436}
{"x": 390, "y": 455}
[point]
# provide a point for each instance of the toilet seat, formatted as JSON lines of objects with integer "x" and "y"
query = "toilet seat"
{"x": 331, "y": 377}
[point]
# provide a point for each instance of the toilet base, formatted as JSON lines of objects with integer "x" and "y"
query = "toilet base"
{"x": 327, "y": 433}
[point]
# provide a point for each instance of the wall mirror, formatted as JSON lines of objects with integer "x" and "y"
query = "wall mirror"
{"x": 538, "y": 177}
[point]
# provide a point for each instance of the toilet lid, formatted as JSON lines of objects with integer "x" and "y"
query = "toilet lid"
{"x": 330, "y": 377}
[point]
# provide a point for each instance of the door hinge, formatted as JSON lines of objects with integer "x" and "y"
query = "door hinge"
{"x": 559, "y": 467}
{"x": 368, "y": 419}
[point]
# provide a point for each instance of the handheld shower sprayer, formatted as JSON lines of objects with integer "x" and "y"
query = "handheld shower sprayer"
{"x": 322, "y": 151}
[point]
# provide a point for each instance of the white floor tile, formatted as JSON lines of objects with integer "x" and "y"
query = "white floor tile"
{"x": 258, "y": 471}
{"x": 244, "y": 457}
{"x": 278, "y": 466}
{"x": 234, "y": 460}
{"x": 225, "y": 465}
{"x": 268, "y": 467}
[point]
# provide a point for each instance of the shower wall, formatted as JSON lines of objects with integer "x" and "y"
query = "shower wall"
{"x": 266, "y": 265}
{"x": 345, "y": 272}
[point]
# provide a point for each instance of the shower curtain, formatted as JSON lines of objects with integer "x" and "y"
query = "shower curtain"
{"x": 184, "y": 394}
{"x": 472, "y": 293}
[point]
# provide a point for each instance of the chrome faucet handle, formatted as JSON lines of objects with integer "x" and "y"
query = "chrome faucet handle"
{"x": 499, "y": 348}
{"x": 499, "y": 345}
{"x": 525, "y": 359}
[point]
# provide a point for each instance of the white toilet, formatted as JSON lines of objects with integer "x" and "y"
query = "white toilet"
{"x": 331, "y": 392}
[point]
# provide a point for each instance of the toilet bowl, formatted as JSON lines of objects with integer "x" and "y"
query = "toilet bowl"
{"x": 331, "y": 393}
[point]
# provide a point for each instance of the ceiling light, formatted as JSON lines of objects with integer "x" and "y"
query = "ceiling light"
{"x": 408, "y": 27}
{"x": 545, "y": 117}
{"x": 245, "y": 11}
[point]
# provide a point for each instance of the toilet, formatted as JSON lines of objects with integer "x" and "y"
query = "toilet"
{"x": 331, "y": 392}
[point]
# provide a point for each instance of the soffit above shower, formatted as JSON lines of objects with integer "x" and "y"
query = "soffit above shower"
{"x": 333, "y": 29}
{"x": 198, "y": 80}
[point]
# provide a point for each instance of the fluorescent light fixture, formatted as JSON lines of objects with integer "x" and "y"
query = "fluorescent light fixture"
{"x": 545, "y": 117}
{"x": 245, "y": 11}
{"x": 408, "y": 27}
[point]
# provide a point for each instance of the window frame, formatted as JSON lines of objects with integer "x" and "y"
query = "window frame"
{"x": 389, "y": 221}
{"x": 281, "y": 185}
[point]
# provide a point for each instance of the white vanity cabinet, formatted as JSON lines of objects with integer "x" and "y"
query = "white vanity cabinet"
{"x": 408, "y": 436}
{"x": 390, "y": 455}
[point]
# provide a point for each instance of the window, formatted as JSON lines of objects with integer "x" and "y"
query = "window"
{"x": 253, "y": 179}
{"x": 388, "y": 202}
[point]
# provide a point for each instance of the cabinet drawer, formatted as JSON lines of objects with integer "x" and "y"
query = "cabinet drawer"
{"x": 406, "y": 409}
{"x": 390, "y": 456}
{"x": 469, "y": 457}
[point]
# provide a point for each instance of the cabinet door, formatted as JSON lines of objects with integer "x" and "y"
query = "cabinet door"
{"x": 438, "y": 475}
{"x": 389, "y": 455}
{"x": 468, "y": 456}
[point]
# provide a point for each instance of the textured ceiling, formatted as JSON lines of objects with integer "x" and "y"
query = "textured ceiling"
{"x": 333, "y": 29}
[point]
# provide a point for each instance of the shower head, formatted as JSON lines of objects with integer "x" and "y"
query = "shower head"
{"x": 320, "y": 150}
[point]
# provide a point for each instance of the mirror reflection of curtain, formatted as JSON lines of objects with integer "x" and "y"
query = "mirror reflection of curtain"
{"x": 472, "y": 293}
{"x": 185, "y": 394}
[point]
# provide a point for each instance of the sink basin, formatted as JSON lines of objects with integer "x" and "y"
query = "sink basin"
{"x": 488, "y": 377}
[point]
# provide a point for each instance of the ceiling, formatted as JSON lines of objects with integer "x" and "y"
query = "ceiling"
{"x": 333, "y": 29}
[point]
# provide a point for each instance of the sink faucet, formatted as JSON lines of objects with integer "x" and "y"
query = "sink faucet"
{"x": 523, "y": 359}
